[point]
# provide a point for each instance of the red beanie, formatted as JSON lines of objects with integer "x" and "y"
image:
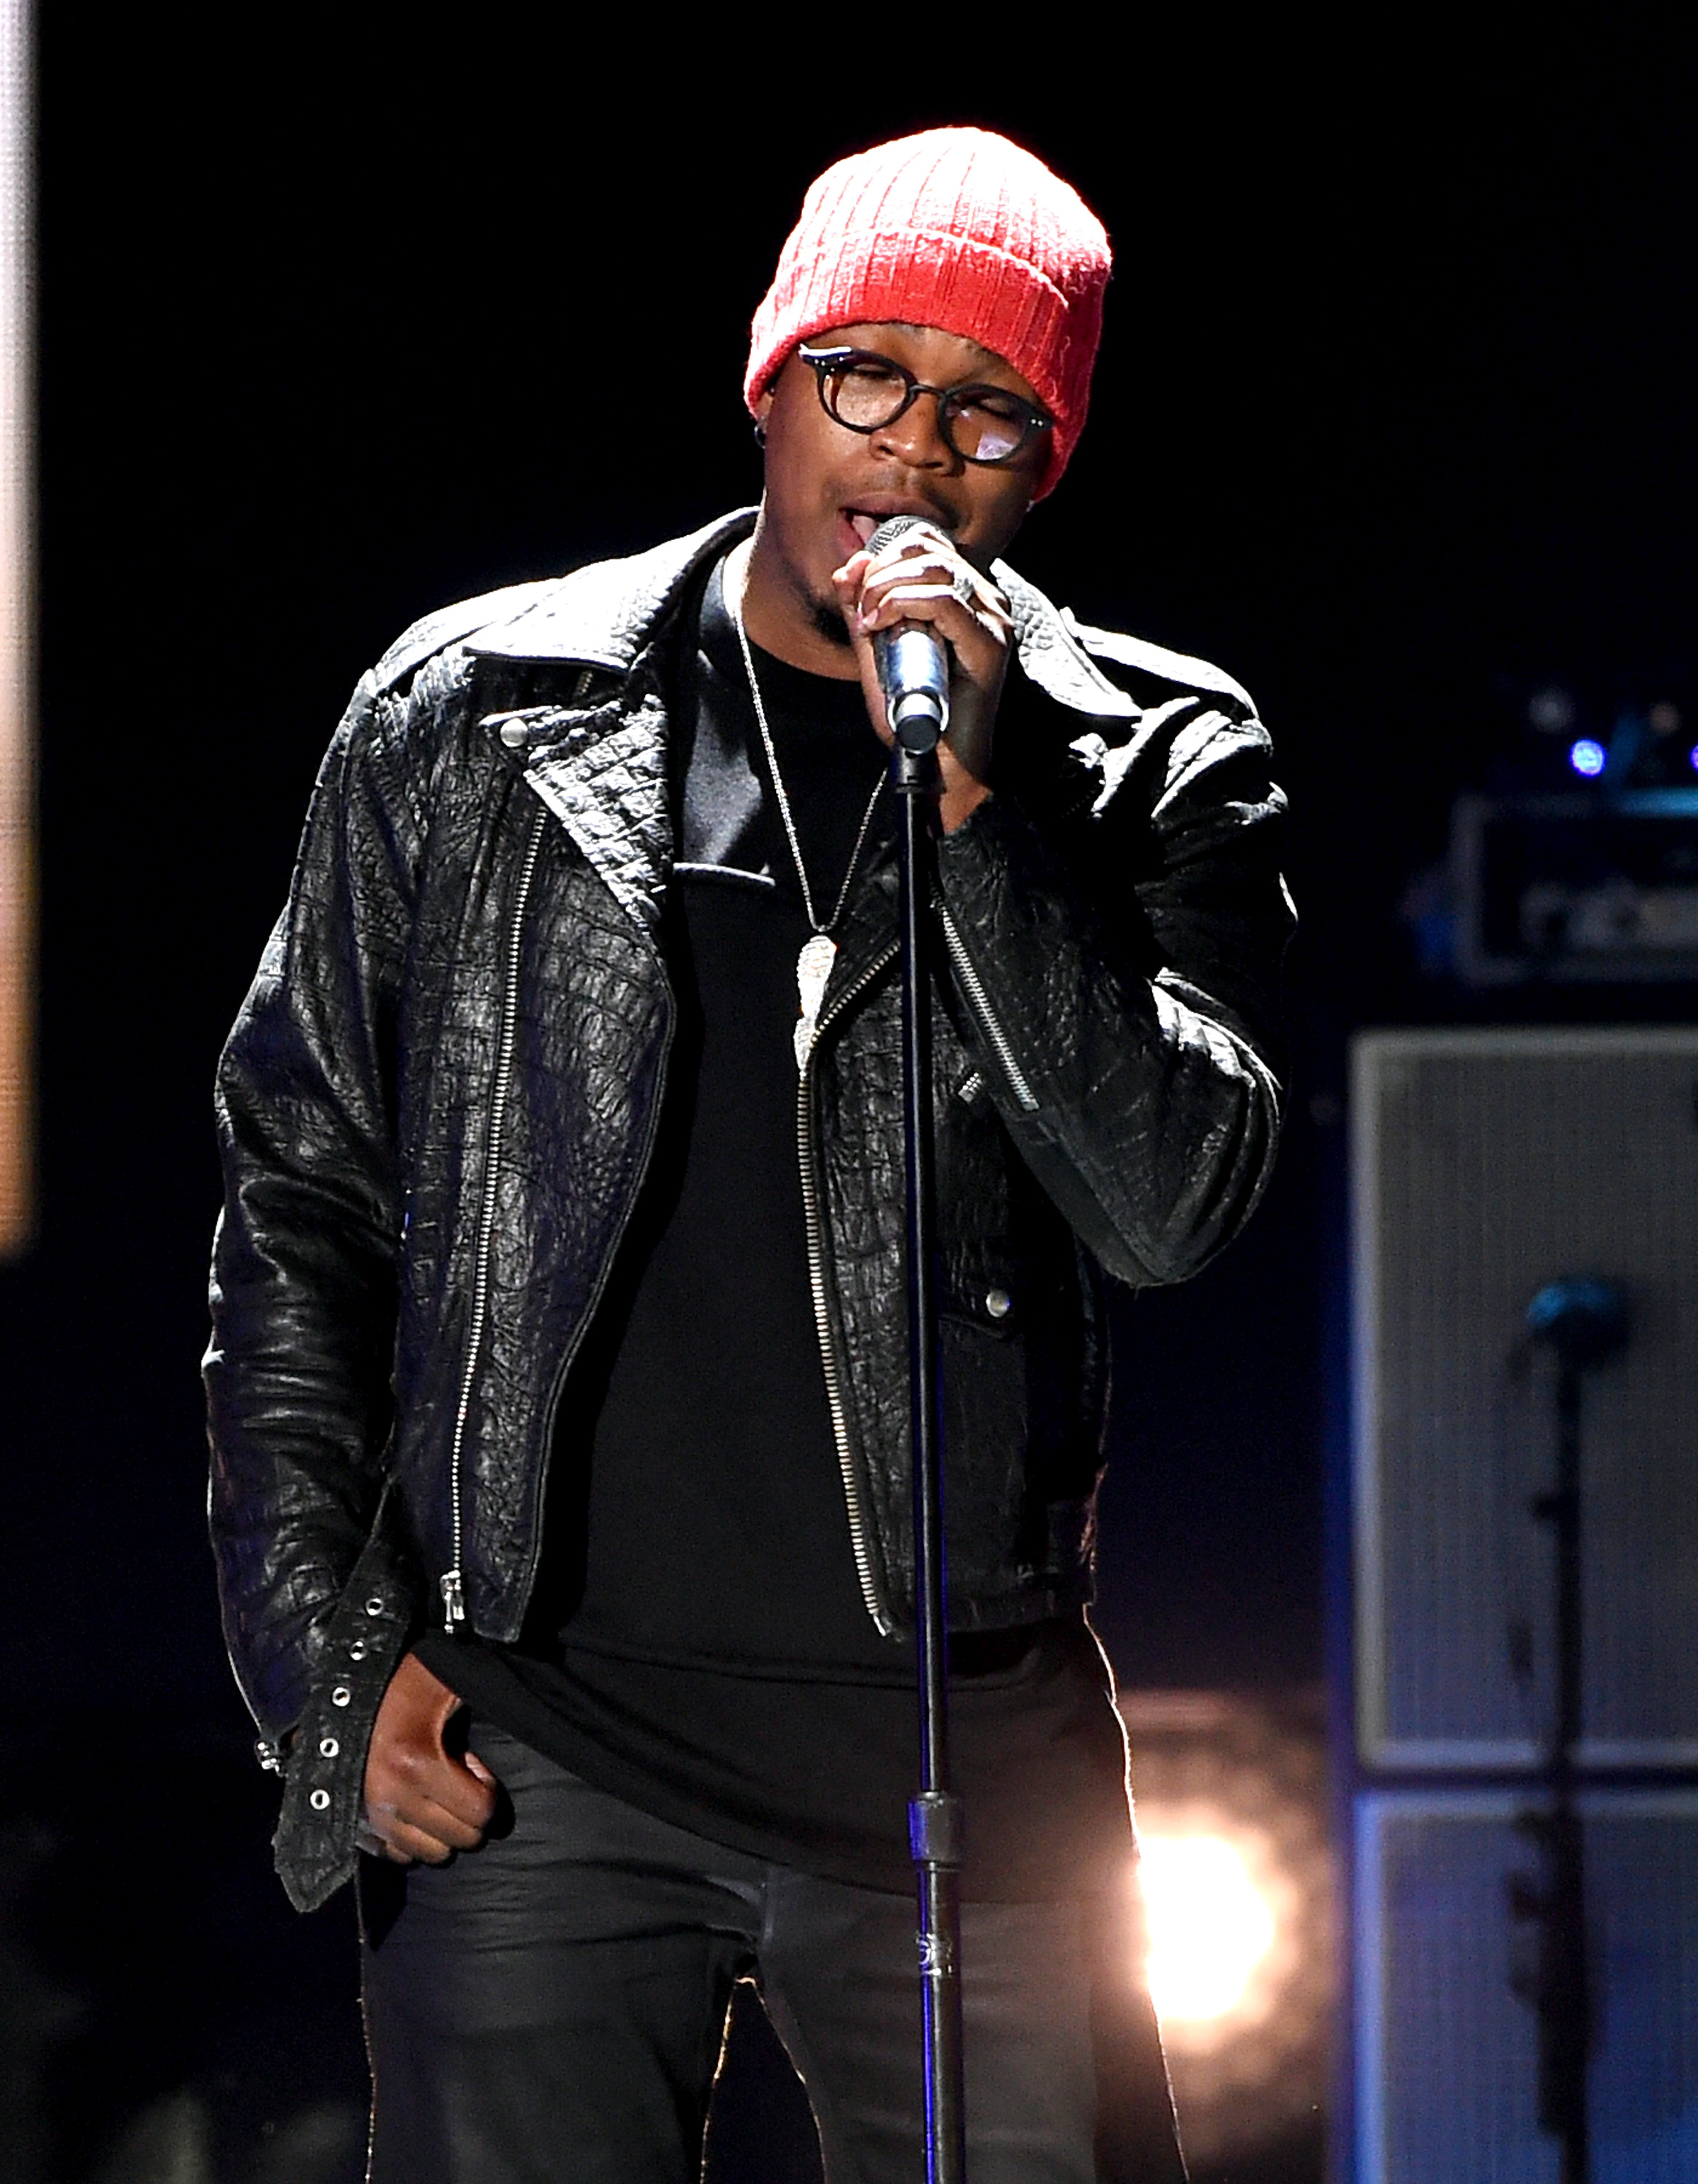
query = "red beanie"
{"x": 955, "y": 229}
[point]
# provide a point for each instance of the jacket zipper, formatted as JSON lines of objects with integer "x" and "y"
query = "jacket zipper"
{"x": 452, "y": 1584}
{"x": 979, "y": 1001}
{"x": 882, "y": 1621}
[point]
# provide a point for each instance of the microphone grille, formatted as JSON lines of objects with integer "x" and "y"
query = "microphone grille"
{"x": 892, "y": 528}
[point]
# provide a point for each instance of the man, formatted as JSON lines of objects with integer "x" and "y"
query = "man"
{"x": 558, "y": 1381}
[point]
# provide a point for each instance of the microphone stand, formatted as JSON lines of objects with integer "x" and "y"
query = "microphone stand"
{"x": 934, "y": 1815}
{"x": 1585, "y": 1321}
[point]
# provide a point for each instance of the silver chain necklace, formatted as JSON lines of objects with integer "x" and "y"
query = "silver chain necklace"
{"x": 819, "y": 952}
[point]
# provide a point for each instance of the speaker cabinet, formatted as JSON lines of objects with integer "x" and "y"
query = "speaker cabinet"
{"x": 1446, "y": 2069}
{"x": 1486, "y": 1164}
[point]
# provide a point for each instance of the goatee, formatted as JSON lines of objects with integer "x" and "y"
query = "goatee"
{"x": 828, "y": 620}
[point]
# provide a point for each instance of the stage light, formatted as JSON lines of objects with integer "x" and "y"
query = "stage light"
{"x": 1551, "y": 710}
{"x": 1692, "y": 758}
{"x": 1236, "y": 1890}
{"x": 1209, "y": 1925}
{"x": 1586, "y": 756}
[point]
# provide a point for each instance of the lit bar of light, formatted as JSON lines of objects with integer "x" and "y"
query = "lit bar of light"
{"x": 17, "y": 863}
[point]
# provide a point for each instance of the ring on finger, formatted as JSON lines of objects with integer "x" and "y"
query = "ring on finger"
{"x": 965, "y": 589}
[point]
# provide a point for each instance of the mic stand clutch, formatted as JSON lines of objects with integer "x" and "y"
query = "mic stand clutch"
{"x": 934, "y": 1816}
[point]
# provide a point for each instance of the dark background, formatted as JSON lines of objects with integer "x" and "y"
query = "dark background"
{"x": 1393, "y": 419}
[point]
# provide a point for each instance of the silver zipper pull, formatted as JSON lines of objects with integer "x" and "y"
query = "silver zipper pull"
{"x": 454, "y": 1599}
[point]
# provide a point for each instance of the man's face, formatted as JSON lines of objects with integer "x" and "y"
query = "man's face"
{"x": 828, "y": 489}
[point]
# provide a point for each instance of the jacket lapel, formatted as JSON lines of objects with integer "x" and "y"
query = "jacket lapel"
{"x": 602, "y": 771}
{"x": 1053, "y": 658}
{"x": 604, "y": 779}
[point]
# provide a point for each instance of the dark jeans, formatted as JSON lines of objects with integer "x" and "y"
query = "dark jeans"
{"x": 550, "y": 2008}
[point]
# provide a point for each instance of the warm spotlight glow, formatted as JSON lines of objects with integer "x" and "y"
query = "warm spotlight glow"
{"x": 1209, "y": 1927}
{"x": 1231, "y": 1802}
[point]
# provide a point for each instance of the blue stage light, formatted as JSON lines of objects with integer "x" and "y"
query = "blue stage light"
{"x": 1692, "y": 758}
{"x": 1587, "y": 757}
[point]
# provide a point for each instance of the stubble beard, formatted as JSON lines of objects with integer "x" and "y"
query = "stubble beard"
{"x": 828, "y": 620}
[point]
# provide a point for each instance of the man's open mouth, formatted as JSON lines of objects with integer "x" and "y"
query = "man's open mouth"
{"x": 863, "y": 523}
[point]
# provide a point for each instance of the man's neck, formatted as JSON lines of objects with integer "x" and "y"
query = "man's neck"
{"x": 777, "y": 618}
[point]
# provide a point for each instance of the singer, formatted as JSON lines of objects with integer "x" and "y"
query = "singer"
{"x": 557, "y": 1378}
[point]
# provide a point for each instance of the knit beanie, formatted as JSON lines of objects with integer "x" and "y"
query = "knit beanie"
{"x": 956, "y": 229}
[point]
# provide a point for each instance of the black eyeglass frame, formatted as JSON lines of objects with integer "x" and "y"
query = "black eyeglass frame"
{"x": 825, "y": 361}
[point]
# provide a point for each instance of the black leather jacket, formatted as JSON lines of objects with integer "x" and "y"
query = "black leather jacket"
{"x": 437, "y": 1106}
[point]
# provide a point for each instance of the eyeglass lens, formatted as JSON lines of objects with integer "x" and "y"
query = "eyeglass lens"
{"x": 981, "y": 424}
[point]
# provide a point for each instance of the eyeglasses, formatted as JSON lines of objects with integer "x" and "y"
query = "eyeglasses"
{"x": 867, "y": 392}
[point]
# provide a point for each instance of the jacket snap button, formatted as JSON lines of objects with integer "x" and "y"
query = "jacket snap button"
{"x": 513, "y": 733}
{"x": 340, "y": 1696}
{"x": 319, "y": 1801}
{"x": 328, "y": 1748}
{"x": 997, "y": 1303}
{"x": 357, "y": 1650}
{"x": 374, "y": 1606}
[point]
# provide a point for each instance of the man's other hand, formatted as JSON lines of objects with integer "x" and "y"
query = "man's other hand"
{"x": 420, "y": 1803}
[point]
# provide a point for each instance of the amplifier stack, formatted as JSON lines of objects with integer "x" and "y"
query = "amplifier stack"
{"x": 1525, "y": 1506}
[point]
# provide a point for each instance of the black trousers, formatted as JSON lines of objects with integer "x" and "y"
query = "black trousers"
{"x": 549, "y": 2010}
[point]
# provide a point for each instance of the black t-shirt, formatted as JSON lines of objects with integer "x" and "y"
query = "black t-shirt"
{"x": 698, "y": 1643}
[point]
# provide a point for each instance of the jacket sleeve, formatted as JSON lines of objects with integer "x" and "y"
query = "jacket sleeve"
{"x": 304, "y": 1266}
{"x": 1122, "y": 971}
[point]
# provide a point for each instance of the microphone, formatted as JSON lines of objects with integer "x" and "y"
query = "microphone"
{"x": 913, "y": 661}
